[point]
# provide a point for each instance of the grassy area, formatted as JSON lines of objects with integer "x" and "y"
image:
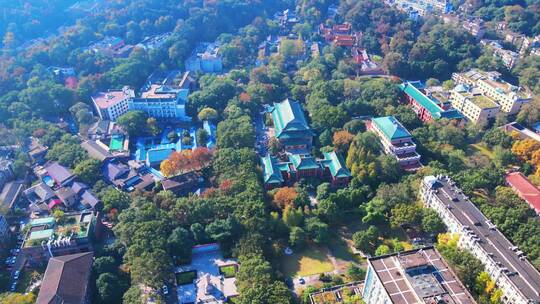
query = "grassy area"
{"x": 483, "y": 149}
{"x": 187, "y": 277}
{"x": 311, "y": 260}
{"x": 228, "y": 271}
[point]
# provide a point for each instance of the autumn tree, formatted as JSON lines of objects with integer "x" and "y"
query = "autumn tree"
{"x": 342, "y": 140}
{"x": 285, "y": 197}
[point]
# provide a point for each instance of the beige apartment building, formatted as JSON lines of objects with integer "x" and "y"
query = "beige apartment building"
{"x": 473, "y": 104}
{"x": 511, "y": 98}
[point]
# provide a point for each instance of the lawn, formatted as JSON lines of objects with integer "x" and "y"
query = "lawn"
{"x": 187, "y": 277}
{"x": 483, "y": 149}
{"x": 309, "y": 261}
{"x": 228, "y": 271}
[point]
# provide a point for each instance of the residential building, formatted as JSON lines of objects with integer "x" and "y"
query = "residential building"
{"x": 210, "y": 284}
{"x": 525, "y": 189}
{"x": 10, "y": 194}
{"x": 37, "y": 151}
{"x": 397, "y": 141}
{"x": 507, "y": 265}
{"x": 4, "y": 228}
{"x": 472, "y": 103}
{"x": 475, "y": 27}
{"x": 415, "y": 276}
{"x": 6, "y": 172}
{"x": 127, "y": 178}
{"x": 280, "y": 172}
{"x": 66, "y": 280}
{"x": 183, "y": 184}
{"x": 422, "y": 8}
{"x": 508, "y": 57}
{"x": 112, "y": 104}
{"x": 162, "y": 97}
{"x": 48, "y": 237}
{"x": 511, "y": 98}
{"x": 155, "y": 42}
{"x": 60, "y": 175}
{"x": 108, "y": 46}
{"x": 205, "y": 58}
{"x": 291, "y": 127}
{"x": 427, "y": 106}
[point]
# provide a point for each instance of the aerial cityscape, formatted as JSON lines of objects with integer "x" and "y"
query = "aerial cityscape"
{"x": 270, "y": 152}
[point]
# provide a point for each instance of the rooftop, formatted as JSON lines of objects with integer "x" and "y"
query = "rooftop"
{"x": 289, "y": 116}
{"x": 525, "y": 189}
{"x": 72, "y": 226}
{"x": 335, "y": 164}
{"x": 391, "y": 127}
{"x": 518, "y": 269}
{"x": 432, "y": 105}
{"x": 108, "y": 99}
{"x": 420, "y": 274}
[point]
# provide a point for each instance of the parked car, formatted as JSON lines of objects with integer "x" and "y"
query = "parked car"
{"x": 16, "y": 275}
{"x": 165, "y": 290}
{"x": 302, "y": 281}
{"x": 13, "y": 286}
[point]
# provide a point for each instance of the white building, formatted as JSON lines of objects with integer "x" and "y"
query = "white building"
{"x": 113, "y": 104}
{"x": 506, "y": 263}
{"x": 511, "y": 98}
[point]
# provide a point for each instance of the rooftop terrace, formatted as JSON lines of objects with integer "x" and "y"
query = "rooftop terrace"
{"x": 72, "y": 226}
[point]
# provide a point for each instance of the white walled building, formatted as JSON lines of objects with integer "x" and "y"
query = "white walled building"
{"x": 473, "y": 104}
{"x": 506, "y": 264}
{"x": 112, "y": 104}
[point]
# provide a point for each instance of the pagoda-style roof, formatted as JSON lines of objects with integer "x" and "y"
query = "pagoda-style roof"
{"x": 391, "y": 127}
{"x": 288, "y": 116}
{"x": 413, "y": 89}
{"x": 336, "y": 165}
{"x": 271, "y": 172}
{"x": 303, "y": 162}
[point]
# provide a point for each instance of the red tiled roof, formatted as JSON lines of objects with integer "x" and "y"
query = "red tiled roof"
{"x": 525, "y": 189}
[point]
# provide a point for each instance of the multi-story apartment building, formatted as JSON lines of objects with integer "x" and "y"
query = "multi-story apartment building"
{"x": 113, "y": 104}
{"x": 397, "y": 141}
{"x": 511, "y": 98}
{"x": 205, "y": 58}
{"x": 416, "y": 276}
{"x": 506, "y": 263}
{"x": 473, "y": 104}
{"x": 162, "y": 97}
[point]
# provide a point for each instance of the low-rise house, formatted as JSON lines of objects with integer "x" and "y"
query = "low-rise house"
{"x": 49, "y": 237}
{"x": 525, "y": 189}
{"x": 335, "y": 294}
{"x": 363, "y": 60}
{"x": 58, "y": 173}
{"x": 475, "y": 27}
{"x": 183, "y": 184}
{"x": 112, "y": 104}
{"x": 205, "y": 58}
{"x": 37, "y": 151}
{"x": 66, "y": 280}
{"x": 427, "y": 106}
{"x": 39, "y": 194}
{"x": 291, "y": 127}
{"x": 511, "y": 98}
{"x": 108, "y": 46}
{"x": 524, "y": 133}
{"x": 281, "y": 172}
{"x": 472, "y": 103}
{"x": 155, "y": 42}
{"x": 339, "y": 35}
{"x": 125, "y": 177}
{"x": 6, "y": 172}
{"x": 11, "y": 193}
{"x": 397, "y": 141}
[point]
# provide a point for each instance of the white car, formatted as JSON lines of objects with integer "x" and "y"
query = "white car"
{"x": 16, "y": 275}
{"x": 13, "y": 286}
{"x": 165, "y": 290}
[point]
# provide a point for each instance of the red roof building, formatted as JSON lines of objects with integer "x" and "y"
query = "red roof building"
{"x": 525, "y": 189}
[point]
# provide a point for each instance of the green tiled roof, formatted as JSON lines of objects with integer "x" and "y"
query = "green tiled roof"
{"x": 412, "y": 89}
{"x": 288, "y": 116}
{"x": 303, "y": 162}
{"x": 391, "y": 127}
{"x": 271, "y": 172}
{"x": 334, "y": 162}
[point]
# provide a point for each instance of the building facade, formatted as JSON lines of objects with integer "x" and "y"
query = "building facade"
{"x": 426, "y": 106}
{"x": 112, "y": 104}
{"x": 162, "y": 97}
{"x": 291, "y": 127}
{"x": 474, "y": 104}
{"x": 205, "y": 58}
{"x": 506, "y": 263}
{"x": 511, "y": 98}
{"x": 278, "y": 173}
{"x": 416, "y": 276}
{"x": 396, "y": 141}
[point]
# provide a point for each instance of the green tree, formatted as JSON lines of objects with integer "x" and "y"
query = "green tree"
{"x": 110, "y": 288}
{"x": 317, "y": 230}
{"x": 180, "y": 244}
{"x": 297, "y": 237}
{"x": 88, "y": 171}
{"x": 133, "y": 122}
